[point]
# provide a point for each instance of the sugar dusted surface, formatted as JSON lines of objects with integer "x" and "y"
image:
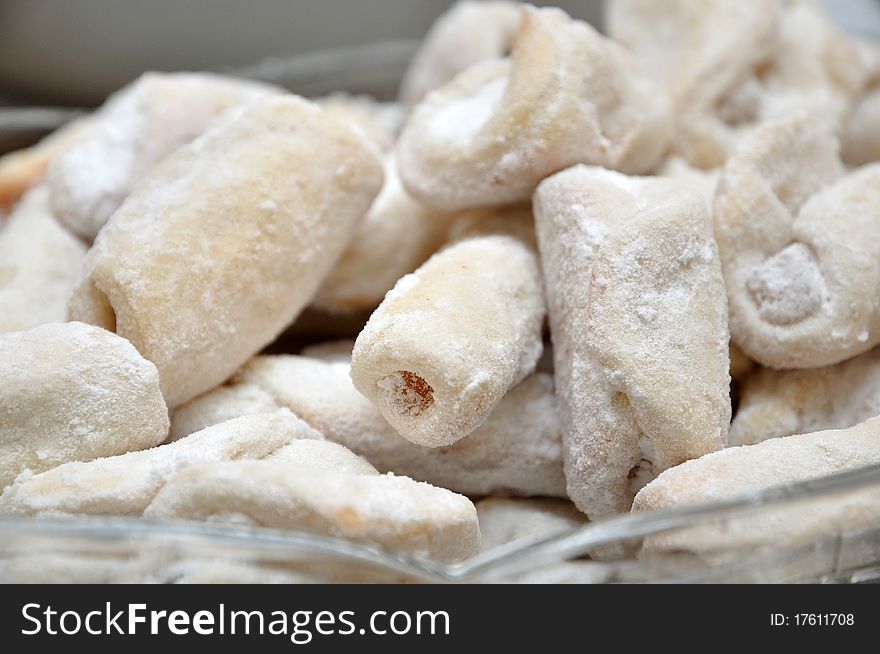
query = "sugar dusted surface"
{"x": 450, "y": 339}
{"x": 39, "y": 265}
{"x": 393, "y": 511}
{"x": 74, "y": 392}
{"x": 639, "y": 328}
{"x": 125, "y": 484}
{"x": 738, "y": 470}
{"x": 517, "y": 451}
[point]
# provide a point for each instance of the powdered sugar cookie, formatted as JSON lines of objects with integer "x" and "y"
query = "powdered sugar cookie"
{"x": 468, "y": 33}
{"x": 798, "y": 248}
{"x": 73, "y": 392}
{"x": 393, "y": 239}
{"x": 395, "y": 512}
{"x": 506, "y": 520}
{"x": 566, "y": 95}
{"x": 638, "y": 319}
{"x": 40, "y": 263}
{"x": 266, "y": 199}
{"x": 127, "y": 483}
{"x": 516, "y": 451}
{"x": 22, "y": 169}
{"x": 784, "y": 402}
{"x": 775, "y": 462}
{"x": 450, "y": 339}
{"x": 732, "y": 65}
{"x": 135, "y": 129}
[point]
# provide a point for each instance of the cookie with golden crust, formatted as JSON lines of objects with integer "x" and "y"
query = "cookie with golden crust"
{"x": 395, "y": 512}
{"x": 266, "y": 199}
{"x": 638, "y": 319}
{"x": 136, "y": 128}
{"x": 785, "y": 402}
{"x": 40, "y": 263}
{"x": 74, "y": 392}
{"x": 566, "y": 95}
{"x": 798, "y": 243}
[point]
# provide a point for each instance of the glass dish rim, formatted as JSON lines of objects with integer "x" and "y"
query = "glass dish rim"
{"x": 506, "y": 559}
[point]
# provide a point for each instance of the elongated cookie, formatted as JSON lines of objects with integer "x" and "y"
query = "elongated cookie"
{"x": 225, "y": 242}
{"x": 638, "y": 319}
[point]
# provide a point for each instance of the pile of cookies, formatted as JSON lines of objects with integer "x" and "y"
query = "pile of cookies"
{"x": 552, "y": 257}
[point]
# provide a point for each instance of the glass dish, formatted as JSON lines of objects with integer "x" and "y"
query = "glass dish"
{"x": 105, "y": 550}
{"x": 135, "y": 550}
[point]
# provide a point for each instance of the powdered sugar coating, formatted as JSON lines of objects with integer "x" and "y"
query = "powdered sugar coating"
{"x": 126, "y": 484}
{"x": 177, "y": 268}
{"x": 73, "y": 392}
{"x": 449, "y": 340}
{"x": 638, "y": 320}
{"x": 468, "y": 33}
{"x": 566, "y": 95}
{"x": 23, "y": 169}
{"x": 732, "y": 65}
{"x": 39, "y": 265}
{"x": 798, "y": 243}
{"x": 379, "y": 122}
{"x": 774, "y": 462}
{"x": 218, "y": 405}
{"x": 393, "y": 239}
{"x": 395, "y": 512}
{"x": 136, "y": 128}
{"x": 517, "y": 451}
{"x": 784, "y": 402}
{"x": 323, "y": 455}
{"x": 860, "y": 139}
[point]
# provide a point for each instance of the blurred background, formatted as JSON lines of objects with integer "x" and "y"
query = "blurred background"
{"x": 72, "y": 53}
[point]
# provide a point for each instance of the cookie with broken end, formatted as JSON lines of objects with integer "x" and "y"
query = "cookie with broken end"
{"x": 516, "y": 452}
{"x": 133, "y": 131}
{"x": 124, "y": 485}
{"x": 798, "y": 243}
{"x": 395, "y": 512}
{"x": 266, "y": 199}
{"x": 638, "y": 319}
{"x": 566, "y": 95}
{"x": 73, "y": 392}
{"x": 738, "y": 471}
{"x": 778, "y": 403}
{"x": 452, "y": 338}
{"x": 40, "y": 263}
{"x": 468, "y": 33}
